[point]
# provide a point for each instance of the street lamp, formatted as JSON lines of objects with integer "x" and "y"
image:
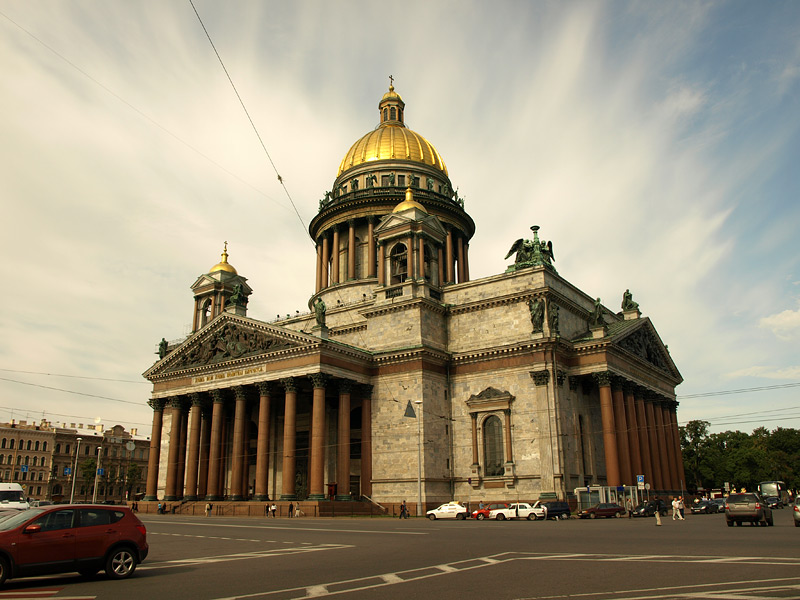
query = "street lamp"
{"x": 419, "y": 455}
{"x": 96, "y": 474}
{"x": 75, "y": 470}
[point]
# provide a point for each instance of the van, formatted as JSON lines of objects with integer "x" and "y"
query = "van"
{"x": 12, "y": 497}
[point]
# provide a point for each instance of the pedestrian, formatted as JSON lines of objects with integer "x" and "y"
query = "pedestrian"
{"x": 676, "y": 513}
{"x": 160, "y": 510}
{"x": 681, "y": 507}
{"x": 208, "y": 508}
{"x": 274, "y": 510}
{"x": 629, "y": 507}
{"x": 291, "y": 510}
{"x": 657, "y": 514}
{"x": 403, "y": 510}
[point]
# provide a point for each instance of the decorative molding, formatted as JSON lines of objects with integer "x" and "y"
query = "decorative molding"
{"x": 540, "y": 377}
{"x": 157, "y": 404}
{"x": 573, "y": 381}
{"x": 560, "y": 377}
{"x": 265, "y": 388}
{"x": 318, "y": 380}
{"x": 490, "y": 399}
{"x": 289, "y": 384}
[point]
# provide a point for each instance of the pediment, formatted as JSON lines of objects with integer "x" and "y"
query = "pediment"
{"x": 429, "y": 222}
{"x": 225, "y": 339}
{"x": 490, "y": 399}
{"x": 645, "y": 343}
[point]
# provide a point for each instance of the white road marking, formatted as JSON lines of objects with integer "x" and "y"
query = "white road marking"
{"x": 286, "y": 527}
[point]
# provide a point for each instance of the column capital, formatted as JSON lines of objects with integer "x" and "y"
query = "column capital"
{"x": 629, "y": 387}
{"x": 217, "y": 396}
{"x": 560, "y": 377}
{"x": 540, "y": 377}
{"x": 240, "y": 391}
{"x": 289, "y": 384}
{"x": 157, "y": 404}
{"x": 365, "y": 390}
{"x": 176, "y": 402}
{"x": 603, "y": 378}
{"x": 265, "y": 388}
{"x": 573, "y": 381}
{"x": 318, "y": 380}
{"x": 197, "y": 399}
{"x": 346, "y": 386}
{"x": 617, "y": 382}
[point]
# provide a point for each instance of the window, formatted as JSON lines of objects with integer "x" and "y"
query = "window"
{"x": 399, "y": 263}
{"x": 401, "y": 180}
{"x": 61, "y": 519}
{"x": 58, "y": 448}
{"x": 66, "y": 449}
{"x": 37, "y": 444}
{"x": 426, "y": 262}
{"x": 393, "y": 113}
{"x": 44, "y": 446}
{"x": 493, "y": 446}
{"x": 28, "y": 446}
{"x": 11, "y": 444}
{"x": 3, "y": 443}
{"x": 385, "y": 114}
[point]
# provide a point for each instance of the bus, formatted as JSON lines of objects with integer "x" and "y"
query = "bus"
{"x": 775, "y": 489}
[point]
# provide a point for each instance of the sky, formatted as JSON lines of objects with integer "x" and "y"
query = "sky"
{"x": 656, "y": 144}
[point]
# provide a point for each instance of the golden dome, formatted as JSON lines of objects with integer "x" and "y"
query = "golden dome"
{"x": 409, "y": 202}
{"x": 392, "y": 140}
{"x": 224, "y": 265}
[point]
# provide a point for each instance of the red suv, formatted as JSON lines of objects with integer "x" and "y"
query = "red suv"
{"x": 59, "y": 539}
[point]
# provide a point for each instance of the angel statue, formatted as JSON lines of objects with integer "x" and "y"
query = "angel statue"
{"x": 530, "y": 253}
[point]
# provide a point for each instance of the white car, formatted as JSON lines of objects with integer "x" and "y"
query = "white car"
{"x": 520, "y": 510}
{"x": 450, "y": 510}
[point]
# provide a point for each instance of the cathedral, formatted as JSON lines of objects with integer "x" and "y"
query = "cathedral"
{"x": 407, "y": 379}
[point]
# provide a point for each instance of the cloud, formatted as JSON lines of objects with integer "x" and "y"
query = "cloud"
{"x": 785, "y": 325}
{"x": 792, "y": 373}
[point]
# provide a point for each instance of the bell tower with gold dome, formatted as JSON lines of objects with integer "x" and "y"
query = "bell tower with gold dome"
{"x": 220, "y": 289}
{"x": 372, "y": 181}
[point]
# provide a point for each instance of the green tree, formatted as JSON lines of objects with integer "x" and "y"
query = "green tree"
{"x": 87, "y": 470}
{"x": 134, "y": 478}
{"x": 694, "y": 435}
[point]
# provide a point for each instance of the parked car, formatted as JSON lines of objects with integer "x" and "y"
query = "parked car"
{"x": 449, "y": 510}
{"x": 704, "y": 507}
{"x": 604, "y": 509}
{"x": 720, "y": 502}
{"x": 648, "y": 509}
{"x": 61, "y": 539}
{"x": 747, "y": 507}
{"x": 483, "y": 513}
{"x": 519, "y": 510}
{"x": 557, "y": 510}
{"x": 773, "y": 502}
{"x": 796, "y": 511}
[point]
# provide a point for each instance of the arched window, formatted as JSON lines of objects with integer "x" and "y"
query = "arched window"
{"x": 399, "y": 263}
{"x": 3, "y": 443}
{"x": 66, "y": 449}
{"x": 28, "y": 446}
{"x": 10, "y": 460}
{"x": 44, "y": 446}
{"x": 19, "y": 459}
{"x": 1, "y": 459}
{"x": 426, "y": 262}
{"x": 493, "y": 447}
{"x": 37, "y": 444}
{"x": 385, "y": 114}
{"x": 394, "y": 113}
{"x": 11, "y": 443}
{"x": 44, "y": 461}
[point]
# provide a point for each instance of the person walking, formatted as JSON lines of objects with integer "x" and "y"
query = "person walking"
{"x": 403, "y": 510}
{"x": 676, "y": 513}
{"x": 657, "y": 514}
{"x": 681, "y": 507}
{"x": 629, "y": 507}
{"x": 291, "y": 510}
{"x": 208, "y": 508}
{"x": 274, "y": 510}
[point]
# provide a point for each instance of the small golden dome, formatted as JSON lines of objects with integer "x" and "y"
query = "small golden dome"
{"x": 391, "y": 94}
{"x": 409, "y": 202}
{"x": 224, "y": 265}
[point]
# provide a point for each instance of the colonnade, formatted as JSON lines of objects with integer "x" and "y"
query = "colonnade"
{"x": 640, "y": 435}
{"x": 453, "y": 257}
{"x": 198, "y": 455}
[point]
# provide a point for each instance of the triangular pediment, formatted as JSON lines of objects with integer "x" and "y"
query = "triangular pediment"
{"x": 643, "y": 341}
{"x": 393, "y": 220}
{"x": 228, "y": 338}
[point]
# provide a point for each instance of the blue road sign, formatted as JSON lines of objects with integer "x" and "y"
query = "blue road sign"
{"x": 24, "y": 468}
{"x": 67, "y": 470}
{"x": 640, "y": 479}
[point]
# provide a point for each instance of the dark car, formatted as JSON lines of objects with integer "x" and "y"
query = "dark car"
{"x": 648, "y": 509}
{"x": 60, "y": 539}
{"x": 704, "y": 507}
{"x": 604, "y": 509}
{"x": 483, "y": 513}
{"x": 747, "y": 507}
{"x": 557, "y": 510}
{"x": 773, "y": 502}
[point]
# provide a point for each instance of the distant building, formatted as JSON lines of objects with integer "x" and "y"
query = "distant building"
{"x": 26, "y": 452}
{"x": 516, "y": 385}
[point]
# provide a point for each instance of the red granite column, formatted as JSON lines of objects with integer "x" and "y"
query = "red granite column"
{"x": 460, "y": 249}
{"x": 193, "y": 460}
{"x": 237, "y": 452}
{"x": 174, "y": 450}
{"x": 440, "y": 258}
{"x": 343, "y": 447}
{"x": 326, "y": 258}
{"x": 215, "y": 447}
{"x": 351, "y": 249}
{"x": 621, "y": 428}
{"x": 205, "y": 444}
{"x": 655, "y": 451}
{"x": 318, "y": 286}
{"x": 317, "y": 467}
{"x": 662, "y": 445}
{"x": 181, "y": 483}
{"x": 466, "y": 262}
{"x": 335, "y": 257}
{"x": 644, "y": 437}
{"x": 449, "y": 256}
{"x": 671, "y": 449}
{"x": 381, "y": 265}
{"x": 262, "y": 444}
{"x": 633, "y": 431}
{"x": 609, "y": 433}
{"x": 151, "y": 494}
{"x": 289, "y": 440}
{"x": 366, "y": 440}
{"x": 371, "y": 246}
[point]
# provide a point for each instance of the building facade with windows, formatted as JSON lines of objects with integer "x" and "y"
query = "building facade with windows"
{"x": 26, "y": 456}
{"x": 406, "y": 377}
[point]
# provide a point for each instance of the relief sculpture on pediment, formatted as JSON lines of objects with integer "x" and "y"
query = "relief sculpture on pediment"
{"x": 643, "y": 345}
{"x": 228, "y": 343}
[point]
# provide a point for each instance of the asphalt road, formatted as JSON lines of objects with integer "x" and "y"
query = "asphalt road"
{"x": 279, "y": 559}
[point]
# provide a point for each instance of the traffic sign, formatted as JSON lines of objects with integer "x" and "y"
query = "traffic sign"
{"x": 24, "y": 468}
{"x": 101, "y": 472}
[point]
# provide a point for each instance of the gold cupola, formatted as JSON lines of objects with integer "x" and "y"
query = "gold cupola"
{"x": 224, "y": 265}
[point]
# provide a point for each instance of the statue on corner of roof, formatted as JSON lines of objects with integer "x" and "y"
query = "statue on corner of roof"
{"x": 627, "y": 301}
{"x": 162, "y": 348}
{"x": 319, "y": 312}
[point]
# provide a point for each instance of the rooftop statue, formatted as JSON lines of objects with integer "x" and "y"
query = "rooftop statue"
{"x": 532, "y": 253}
{"x": 238, "y": 298}
{"x": 319, "y": 312}
{"x": 627, "y": 301}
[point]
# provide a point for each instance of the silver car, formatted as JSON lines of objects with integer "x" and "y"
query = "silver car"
{"x": 796, "y": 511}
{"x": 748, "y": 507}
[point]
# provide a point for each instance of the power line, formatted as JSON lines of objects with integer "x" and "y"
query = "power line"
{"x": 253, "y": 125}
{"x": 779, "y": 386}
{"x": 74, "y": 376}
{"x": 47, "y": 387}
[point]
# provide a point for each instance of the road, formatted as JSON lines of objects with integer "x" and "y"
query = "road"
{"x": 359, "y": 559}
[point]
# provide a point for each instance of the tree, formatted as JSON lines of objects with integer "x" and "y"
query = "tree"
{"x": 134, "y": 478}
{"x": 87, "y": 470}
{"x": 693, "y": 437}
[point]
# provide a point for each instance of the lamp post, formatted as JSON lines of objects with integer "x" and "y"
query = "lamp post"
{"x": 419, "y": 455}
{"x": 75, "y": 470}
{"x": 96, "y": 474}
